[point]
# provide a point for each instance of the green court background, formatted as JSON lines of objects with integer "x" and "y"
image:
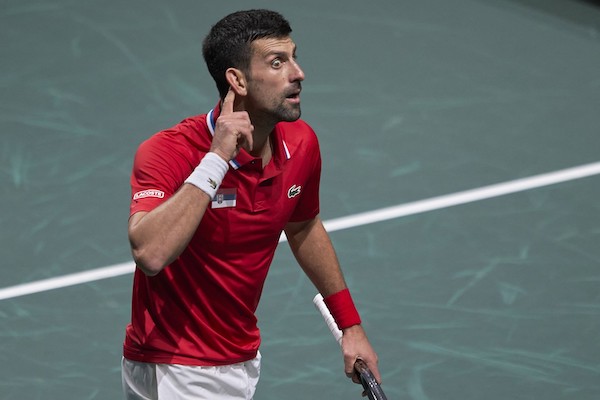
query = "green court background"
{"x": 411, "y": 99}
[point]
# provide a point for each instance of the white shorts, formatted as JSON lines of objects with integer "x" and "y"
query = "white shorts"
{"x": 142, "y": 381}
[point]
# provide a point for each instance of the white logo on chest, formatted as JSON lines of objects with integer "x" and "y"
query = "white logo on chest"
{"x": 294, "y": 191}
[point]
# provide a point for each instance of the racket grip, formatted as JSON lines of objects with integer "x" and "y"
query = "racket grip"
{"x": 372, "y": 388}
{"x": 322, "y": 307}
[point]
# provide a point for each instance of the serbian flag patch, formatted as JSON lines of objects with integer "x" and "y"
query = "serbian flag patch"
{"x": 224, "y": 198}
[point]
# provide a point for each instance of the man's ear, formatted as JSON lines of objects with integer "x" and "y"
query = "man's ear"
{"x": 237, "y": 81}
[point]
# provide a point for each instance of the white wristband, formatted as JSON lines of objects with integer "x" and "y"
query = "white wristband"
{"x": 209, "y": 174}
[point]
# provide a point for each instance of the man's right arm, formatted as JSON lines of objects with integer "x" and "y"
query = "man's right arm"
{"x": 158, "y": 237}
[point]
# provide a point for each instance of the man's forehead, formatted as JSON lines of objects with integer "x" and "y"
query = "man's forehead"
{"x": 271, "y": 45}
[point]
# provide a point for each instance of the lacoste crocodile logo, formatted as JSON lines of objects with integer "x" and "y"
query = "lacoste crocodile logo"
{"x": 212, "y": 183}
{"x": 294, "y": 191}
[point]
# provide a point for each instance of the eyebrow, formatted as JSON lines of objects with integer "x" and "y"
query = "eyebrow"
{"x": 280, "y": 53}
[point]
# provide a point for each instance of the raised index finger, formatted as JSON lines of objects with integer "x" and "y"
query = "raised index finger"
{"x": 227, "y": 107}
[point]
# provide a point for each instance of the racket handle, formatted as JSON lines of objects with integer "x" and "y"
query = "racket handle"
{"x": 322, "y": 307}
{"x": 372, "y": 388}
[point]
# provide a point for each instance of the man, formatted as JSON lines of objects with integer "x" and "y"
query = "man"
{"x": 211, "y": 197}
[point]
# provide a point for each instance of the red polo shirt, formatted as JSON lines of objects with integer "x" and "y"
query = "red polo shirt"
{"x": 200, "y": 309}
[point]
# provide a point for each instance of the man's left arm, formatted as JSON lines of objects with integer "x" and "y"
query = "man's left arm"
{"x": 314, "y": 251}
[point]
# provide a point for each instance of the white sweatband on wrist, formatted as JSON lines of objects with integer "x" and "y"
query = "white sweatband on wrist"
{"x": 209, "y": 174}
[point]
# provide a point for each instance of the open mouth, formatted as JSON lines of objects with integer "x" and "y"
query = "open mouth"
{"x": 294, "y": 96}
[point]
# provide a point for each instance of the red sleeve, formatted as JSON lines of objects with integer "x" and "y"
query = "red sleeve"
{"x": 308, "y": 205}
{"x": 159, "y": 169}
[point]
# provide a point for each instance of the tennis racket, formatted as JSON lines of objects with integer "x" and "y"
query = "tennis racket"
{"x": 369, "y": 384}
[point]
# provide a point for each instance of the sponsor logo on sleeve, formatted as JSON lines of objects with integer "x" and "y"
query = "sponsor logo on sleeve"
{"x": 159, "y": 194}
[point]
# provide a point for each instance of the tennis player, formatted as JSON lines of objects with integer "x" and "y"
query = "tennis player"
{"x": 210, "y": 198}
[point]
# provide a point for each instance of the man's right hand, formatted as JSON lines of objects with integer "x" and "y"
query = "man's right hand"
{"x": 233, "y": 130}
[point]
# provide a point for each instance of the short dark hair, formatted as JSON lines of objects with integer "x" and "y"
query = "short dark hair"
{"x": 228, "y": 43}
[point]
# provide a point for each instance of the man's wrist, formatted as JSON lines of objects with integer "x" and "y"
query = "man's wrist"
{"x": 209, "y": 174}
{"x": 342, "y": 309}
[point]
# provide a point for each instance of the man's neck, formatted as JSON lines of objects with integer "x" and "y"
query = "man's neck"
{"x": 261, "y": 136}
{"x": 261, "y": 146}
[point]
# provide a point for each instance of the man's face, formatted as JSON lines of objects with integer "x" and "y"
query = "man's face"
{"x": 274, "y": 80}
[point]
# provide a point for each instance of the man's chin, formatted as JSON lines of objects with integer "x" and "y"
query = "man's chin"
{"x": 293, "y": 118}
{"x": 290, "y": 114}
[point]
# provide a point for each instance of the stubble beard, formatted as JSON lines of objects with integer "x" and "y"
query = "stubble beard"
{"x": 278, "y": 109}
{"x": 280, "y": 112}
{"x": 288, "y": 113}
